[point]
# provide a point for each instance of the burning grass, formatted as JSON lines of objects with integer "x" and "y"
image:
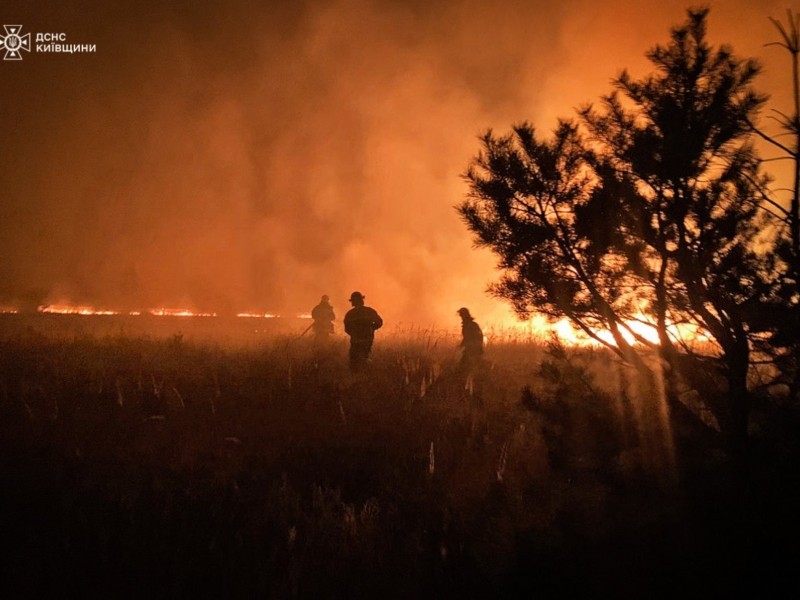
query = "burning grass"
{"x": 163, "y": 465}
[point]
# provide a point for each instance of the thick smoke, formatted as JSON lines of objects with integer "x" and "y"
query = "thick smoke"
{"x": 252, "y": 156}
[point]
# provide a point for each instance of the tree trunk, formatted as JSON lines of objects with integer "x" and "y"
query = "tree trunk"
{"x": 738, "y": 361}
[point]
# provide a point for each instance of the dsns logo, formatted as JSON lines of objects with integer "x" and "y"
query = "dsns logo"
{"x": 12, "y": 42}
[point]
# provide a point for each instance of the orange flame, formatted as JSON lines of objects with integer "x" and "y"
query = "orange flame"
{"x": 643, "y": 326}
{"x": 65, "y": 309}
{"x": 537, "y": 327}
{"x": 178, "y": 312}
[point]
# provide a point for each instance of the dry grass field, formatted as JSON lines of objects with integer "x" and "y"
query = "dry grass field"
{"x": 135, "y": 465}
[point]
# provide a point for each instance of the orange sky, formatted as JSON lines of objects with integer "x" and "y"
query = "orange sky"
{"x": 252, "y": 156}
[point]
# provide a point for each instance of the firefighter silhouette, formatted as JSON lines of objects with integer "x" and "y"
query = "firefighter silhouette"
{"x": 471, "y": 340}
{"x": 360, "y": 324}
{"x": 324, "y": 317}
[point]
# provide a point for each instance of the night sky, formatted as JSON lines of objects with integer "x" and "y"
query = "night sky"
{"x": 233, "y": 156}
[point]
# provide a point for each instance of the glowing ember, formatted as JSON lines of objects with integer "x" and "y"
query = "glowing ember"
{"x": 250, "y": 315}
{"x": 4, "y": 310}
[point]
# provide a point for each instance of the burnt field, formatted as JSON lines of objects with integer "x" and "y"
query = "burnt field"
{"x": 175, "y": 463}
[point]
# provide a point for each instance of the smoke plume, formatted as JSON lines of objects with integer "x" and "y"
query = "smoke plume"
{"x": 253, "y": 156}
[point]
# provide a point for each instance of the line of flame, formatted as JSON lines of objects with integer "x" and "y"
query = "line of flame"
{"x": 178, "y": 312}
{"x": 538, "y": 326}
{"x": 64, "y": 309}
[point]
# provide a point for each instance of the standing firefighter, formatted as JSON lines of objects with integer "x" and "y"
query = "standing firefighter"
{"x": 472, "y": 340}
{"x": 360, "y": 324}
{"x": 323, "y": 316}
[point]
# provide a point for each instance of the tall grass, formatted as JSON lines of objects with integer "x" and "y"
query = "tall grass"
{"x": 169, "y": 466}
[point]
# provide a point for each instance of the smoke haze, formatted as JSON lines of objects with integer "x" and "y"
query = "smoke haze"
{"x": 253, "y": 156}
